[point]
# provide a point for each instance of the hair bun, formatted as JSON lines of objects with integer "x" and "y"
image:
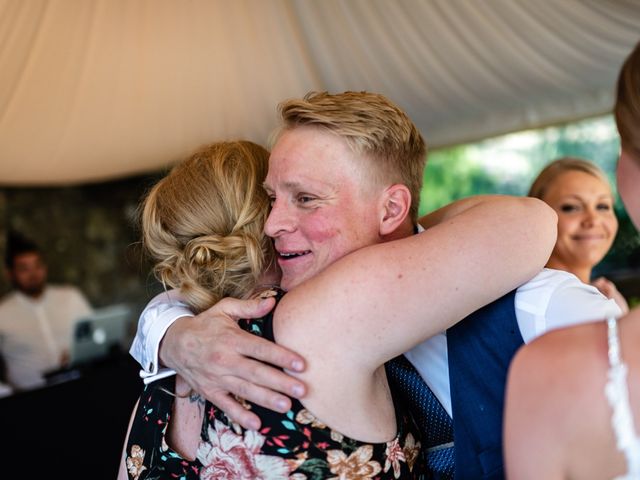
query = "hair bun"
{"x": 203, "y": 223}
{"x": 202, "y": 251}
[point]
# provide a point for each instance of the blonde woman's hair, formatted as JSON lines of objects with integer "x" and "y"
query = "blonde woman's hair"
{"x": 556, "y": 168}
{"x": 372, "y": 126}
{"x": 203, "y": 223}
{"x": 627, "y": 108}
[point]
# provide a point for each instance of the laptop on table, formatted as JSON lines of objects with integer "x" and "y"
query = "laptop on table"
{"x": 95, "y": 337}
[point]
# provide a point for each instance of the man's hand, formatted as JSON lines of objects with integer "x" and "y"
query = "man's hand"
{"x": 609, "y": 290}
{"x": 217, "y": 358}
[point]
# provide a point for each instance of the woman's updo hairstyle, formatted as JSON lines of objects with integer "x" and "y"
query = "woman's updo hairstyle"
{"x": 203, "y": 223}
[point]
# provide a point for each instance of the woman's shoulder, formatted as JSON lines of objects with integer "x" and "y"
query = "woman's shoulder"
{"x": 631, "y": 322}
{"x": 559, "y": 378}
{"x": 556, "y": 384}
{"x": 629, "y": 327}
{"x": 571, "y": 353}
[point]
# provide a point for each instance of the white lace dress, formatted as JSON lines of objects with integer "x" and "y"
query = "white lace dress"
{"x": 617, "y": 392}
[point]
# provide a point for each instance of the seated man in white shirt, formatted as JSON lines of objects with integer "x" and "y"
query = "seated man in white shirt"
{"x": 36, "y": 319}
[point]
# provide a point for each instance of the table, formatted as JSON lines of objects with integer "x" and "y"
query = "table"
{"x": 72, "y": 428}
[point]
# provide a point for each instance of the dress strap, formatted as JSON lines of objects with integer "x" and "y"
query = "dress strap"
{"x": 617, "y": 393}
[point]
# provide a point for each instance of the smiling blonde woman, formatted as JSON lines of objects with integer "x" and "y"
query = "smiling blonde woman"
{"x": 579, "y": 192}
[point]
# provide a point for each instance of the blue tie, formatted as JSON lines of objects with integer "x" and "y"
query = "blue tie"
{"x": 432, "y": 419}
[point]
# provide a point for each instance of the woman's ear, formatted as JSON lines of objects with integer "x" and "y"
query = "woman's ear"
{"x": 396, "y": 206}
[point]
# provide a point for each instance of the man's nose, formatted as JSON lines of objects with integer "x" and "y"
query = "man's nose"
{"x": 280, "y": 219}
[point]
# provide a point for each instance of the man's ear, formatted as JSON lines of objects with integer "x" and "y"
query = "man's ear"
{"x": 396, "y": 205}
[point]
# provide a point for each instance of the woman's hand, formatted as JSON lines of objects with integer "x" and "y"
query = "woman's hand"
{"x": 609, "y": 290}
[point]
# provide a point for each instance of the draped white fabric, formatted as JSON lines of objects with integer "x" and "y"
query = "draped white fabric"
{"x": 99, "y": 89}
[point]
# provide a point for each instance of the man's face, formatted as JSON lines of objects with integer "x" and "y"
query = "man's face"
{"x": 29, "y": 273}
{"x": 322, "y": 206}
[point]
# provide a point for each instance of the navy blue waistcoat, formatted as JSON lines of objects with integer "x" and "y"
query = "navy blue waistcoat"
{"x": 480, "y": 349}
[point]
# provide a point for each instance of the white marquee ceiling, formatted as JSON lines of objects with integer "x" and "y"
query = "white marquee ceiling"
{"x": 93, "y": 90}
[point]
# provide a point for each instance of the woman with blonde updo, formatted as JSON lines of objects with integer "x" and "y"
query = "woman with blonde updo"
{"x": 203, "y": 224}
{"x": 579, "y": 192}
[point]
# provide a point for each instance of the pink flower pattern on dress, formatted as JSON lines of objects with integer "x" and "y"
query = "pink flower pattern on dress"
{"x": 230, "y": 456}
{"x": 135, "y": 465}
{"x": 358, "y": 465}
{"x": 395, "y": 455}
{"x": 411, "y": 450}
{"x": 294, "y": 445}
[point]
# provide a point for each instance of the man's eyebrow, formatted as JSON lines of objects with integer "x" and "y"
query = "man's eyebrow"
{"x": 287, "y": 185}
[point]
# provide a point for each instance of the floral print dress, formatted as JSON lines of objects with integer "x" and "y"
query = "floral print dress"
{"x": 292, "y": 445}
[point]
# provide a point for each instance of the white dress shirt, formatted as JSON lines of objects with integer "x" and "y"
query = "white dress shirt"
{"x": 552, "y": 299}
{"x": 159, "y": 314}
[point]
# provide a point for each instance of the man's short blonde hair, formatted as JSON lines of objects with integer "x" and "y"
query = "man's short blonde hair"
{"x": 373, "y": 127}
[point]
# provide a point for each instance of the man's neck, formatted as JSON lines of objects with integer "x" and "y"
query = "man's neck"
{"x": 407, "y": 229}
{"x": 31, "y": 295}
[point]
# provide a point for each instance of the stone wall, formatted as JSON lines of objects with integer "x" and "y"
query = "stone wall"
{"x": 89, "y": 235}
